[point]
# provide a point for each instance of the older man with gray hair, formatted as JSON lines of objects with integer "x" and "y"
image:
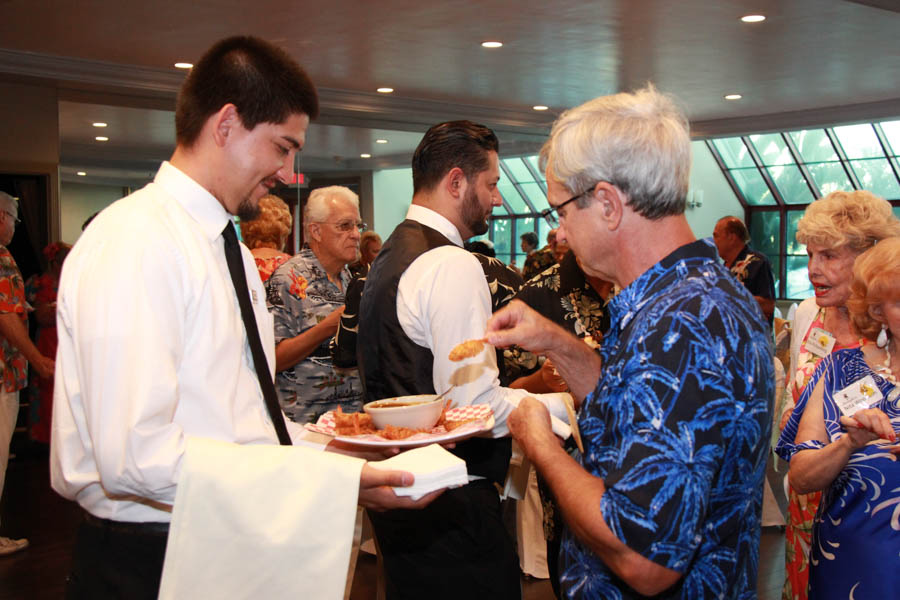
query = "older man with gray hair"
{"x": 306, "y": 298}
{"x": 16, "y": 348}
{"x": 665, "y": 499}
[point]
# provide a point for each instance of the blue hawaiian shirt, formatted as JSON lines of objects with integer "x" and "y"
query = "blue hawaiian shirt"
{"x": 678, "y": 428}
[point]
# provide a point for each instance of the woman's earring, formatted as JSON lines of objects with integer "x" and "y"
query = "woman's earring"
{"x": 882, "y": 336}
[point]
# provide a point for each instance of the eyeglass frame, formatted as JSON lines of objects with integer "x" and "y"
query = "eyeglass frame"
{"x": 347, "y": 226}
{"x": 547, "y": 213}
{"x": 16, "y": 219}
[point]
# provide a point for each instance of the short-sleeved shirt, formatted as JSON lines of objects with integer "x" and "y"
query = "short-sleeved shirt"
{"x": 536, "y": 262}
{"x": 300, "y": 295}
{"x": 12, "y": 300}
{"x": 678, "y": 428}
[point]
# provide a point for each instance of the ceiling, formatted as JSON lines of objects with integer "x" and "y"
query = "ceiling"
{"x": 811, "y": 62}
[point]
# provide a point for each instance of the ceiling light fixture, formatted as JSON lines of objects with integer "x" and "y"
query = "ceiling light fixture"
{"x": 183, "y": 65}
{"x": 101, "y": 138}
{"x": 540, "y": 107}
{"x": 385, "y": 90}
{"x": 365, "y": 155}
{"x": 81, "y": 173}
{"x": 733, "y": 96}
{"x": 381, "y": 141}
{"x": 492, "y": 44}
{"x": 99, "y": 124}
{"x": 753, "y": 18}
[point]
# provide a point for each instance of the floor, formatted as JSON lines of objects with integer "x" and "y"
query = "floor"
{"x": 31, "y": 509}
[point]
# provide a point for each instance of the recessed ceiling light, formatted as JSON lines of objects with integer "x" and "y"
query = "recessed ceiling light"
{"x": 753, "y": 18}
{"x": 384, "y": 90}
{"x": 540, "y": 107}
{"x": 99, "y": 124}
{"x": 101, "y": 138}
{"x": 183, "y": 65}
{"x": 381, "y": 141}
{"x": 81, "y": 173}
{"x": 733, "y": 96}
{"x": 365, "y": 155}
{"x": 492, "y": 44}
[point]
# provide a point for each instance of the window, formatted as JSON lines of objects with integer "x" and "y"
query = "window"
{"x": 776, "y": 175}
{"x": 524, "y": 191}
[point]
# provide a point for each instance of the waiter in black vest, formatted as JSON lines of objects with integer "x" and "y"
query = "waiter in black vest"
{"x": 424, "y": 295}
{"x": 163, "y": 327}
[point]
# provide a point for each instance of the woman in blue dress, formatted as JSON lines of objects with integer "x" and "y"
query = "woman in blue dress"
{"x": 847, "y": 446}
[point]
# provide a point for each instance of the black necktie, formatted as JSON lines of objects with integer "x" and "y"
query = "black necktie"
{"x": 239, "y": 279}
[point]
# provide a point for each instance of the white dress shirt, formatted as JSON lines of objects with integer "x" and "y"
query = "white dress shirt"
{"x": 152, "y": 349}
{"x": 443, "y": 299}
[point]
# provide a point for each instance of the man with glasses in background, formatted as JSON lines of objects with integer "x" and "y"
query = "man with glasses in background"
{"x": 16, "y": 348}
{"x": 306, "y": 298}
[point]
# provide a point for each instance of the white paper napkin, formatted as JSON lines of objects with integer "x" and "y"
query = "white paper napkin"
{"x": 433, "y": 467}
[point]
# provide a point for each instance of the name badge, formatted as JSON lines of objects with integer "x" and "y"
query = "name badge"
{"x": 860, "y": 394}
{"x": 253, "y": 296}
{"x": 820, "y": 342}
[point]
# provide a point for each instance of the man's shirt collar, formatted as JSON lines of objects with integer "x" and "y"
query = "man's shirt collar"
{"x": 201, "y": 205}
{"x": 633, "y": 298}
{"x": 436, "y": 221}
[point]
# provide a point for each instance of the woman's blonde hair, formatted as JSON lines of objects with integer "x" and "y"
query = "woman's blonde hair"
{"x": 876, "y": 280}
{"x": 856, "y": 219}
{"x": 271, "y": 226}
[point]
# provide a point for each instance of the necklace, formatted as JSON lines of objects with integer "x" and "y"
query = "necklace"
{"x": 884, "y": 369}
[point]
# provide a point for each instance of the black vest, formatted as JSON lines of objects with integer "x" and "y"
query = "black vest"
{"x": 391, "y": 364}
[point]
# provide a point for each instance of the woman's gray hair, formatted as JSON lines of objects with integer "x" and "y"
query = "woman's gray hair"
{"x": 316, "y": 209}
{"x": 640, "y": 142}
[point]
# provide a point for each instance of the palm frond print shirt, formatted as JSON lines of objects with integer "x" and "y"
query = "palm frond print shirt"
{"x": 678, "y": 427}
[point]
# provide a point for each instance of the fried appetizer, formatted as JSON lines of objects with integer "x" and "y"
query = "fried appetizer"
{"x": 466, "y": 350}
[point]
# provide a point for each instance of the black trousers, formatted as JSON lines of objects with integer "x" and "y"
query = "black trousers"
{"x": 117, "y": 560}
{"x": 455, "y": 548}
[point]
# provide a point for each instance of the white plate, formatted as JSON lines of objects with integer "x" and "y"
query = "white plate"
{"x": 420, "y": 439}
{"x": 481, "y": 412}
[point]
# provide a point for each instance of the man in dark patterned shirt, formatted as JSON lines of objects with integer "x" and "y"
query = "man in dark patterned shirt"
{"x": 535, "y": 260}
{"x": 752, "y": 268}
{"x": 674, "y": 414}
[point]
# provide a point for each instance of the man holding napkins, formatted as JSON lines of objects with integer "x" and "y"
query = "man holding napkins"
{"x": 164, "y": 391}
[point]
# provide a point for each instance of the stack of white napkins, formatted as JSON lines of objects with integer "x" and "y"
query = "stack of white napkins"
{"x": 433, "y": 467}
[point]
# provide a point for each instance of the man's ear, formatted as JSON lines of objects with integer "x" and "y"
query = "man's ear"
{"x": 315, "y": 231}
{"x": 455, "y": 182}
{"x": 224, "y": 123}
{"x": 612, "y": 204}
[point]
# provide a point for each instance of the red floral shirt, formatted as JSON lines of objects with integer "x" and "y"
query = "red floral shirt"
{"x": 12, "y": 300}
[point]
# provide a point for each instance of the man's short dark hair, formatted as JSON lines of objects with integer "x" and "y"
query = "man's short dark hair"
{"x": 735, "y": 226}
{"x": 262, "y": 81}
{"x": 530, "y": 238}
{"x": 462, "y": 144}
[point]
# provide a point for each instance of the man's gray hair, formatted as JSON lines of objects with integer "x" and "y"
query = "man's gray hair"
{"x": 316, "y": 209}
{"x": 9, "y": 203}
{"x": 639, "y": 142}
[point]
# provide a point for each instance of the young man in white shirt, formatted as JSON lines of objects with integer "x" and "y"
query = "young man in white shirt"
{"x": 152, "y": 345}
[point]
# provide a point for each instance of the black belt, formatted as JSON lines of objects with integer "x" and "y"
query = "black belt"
{"x": 127, "y": 527}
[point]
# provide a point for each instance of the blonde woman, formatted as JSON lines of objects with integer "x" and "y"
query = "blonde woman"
{"x": 846, "y": 443}
{"x": 835, "y": 230}
{"x": 267, "y": 233}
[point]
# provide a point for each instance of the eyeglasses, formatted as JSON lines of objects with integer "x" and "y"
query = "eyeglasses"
{"x": 547, "y": 213}
{"x": 348, "y": 226}
{"x": 14, "y": 217}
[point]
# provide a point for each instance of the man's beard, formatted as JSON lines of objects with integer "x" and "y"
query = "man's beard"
{"x": 247, "y": 210}
{"x": 473, "y": 215}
